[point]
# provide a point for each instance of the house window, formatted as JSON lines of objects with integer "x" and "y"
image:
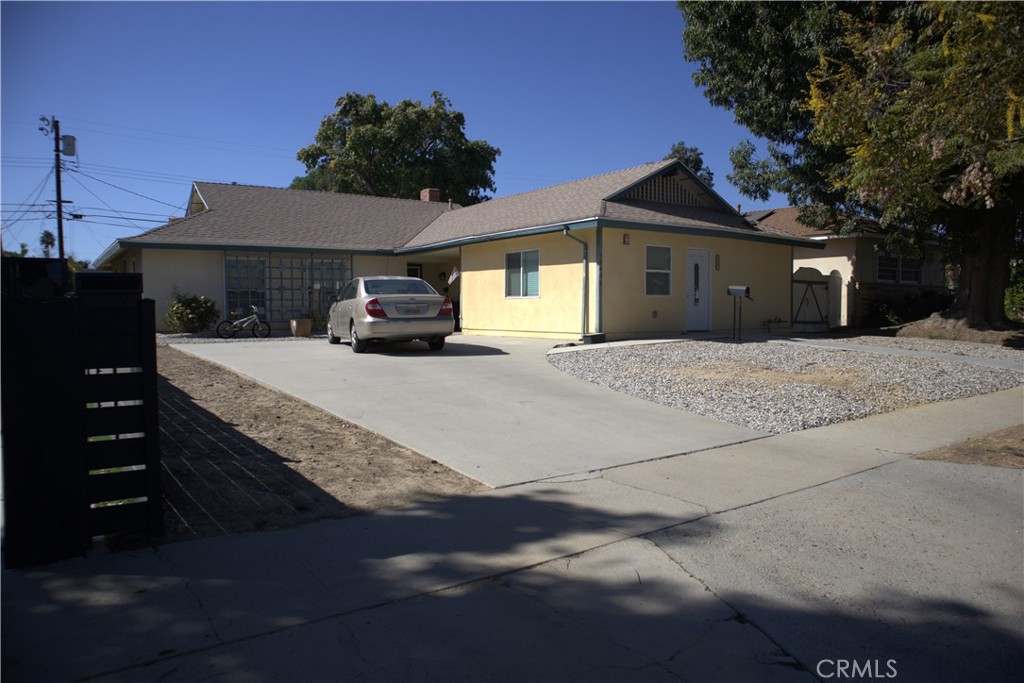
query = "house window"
{"x": 522, "y": 274}
{"x": 245, "y": 281}
{"x": 659, "y": 271}
{"x": 898, "y": 268}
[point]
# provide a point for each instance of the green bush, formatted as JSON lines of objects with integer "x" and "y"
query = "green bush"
{"x": 187, "y": 313}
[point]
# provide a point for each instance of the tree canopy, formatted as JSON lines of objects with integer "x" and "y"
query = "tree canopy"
{"x": 693, "y": 159}
{"x": 371, "y": 147}
{"x": 910, "y": 113}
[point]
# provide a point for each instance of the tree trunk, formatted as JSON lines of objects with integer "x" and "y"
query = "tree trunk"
{"x": 986, "y": 239}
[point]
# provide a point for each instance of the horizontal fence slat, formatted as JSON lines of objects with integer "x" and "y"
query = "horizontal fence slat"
{"x": 119, "y": 387}
{"x": 103, "y": 455}
{"x": 118, "y": 352}
{"x": 119, "y": 519}
{"x": 117, "y": 486}
{"x": 111, "y": 321}
{"x": 120, "y": 420}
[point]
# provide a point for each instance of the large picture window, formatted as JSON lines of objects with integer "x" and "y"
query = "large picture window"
{"x": 522, "y": 274}
{"x": 245, "y": 279}
{"x": 659, "y": 271}
{"x": 898, "y": 268}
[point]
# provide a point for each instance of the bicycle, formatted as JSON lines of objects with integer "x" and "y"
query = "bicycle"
{"x": 260, "y": 328}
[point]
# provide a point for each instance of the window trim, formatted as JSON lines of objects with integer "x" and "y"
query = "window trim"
{"x": 522, "y": 275}
{"x": 648, "y": 270}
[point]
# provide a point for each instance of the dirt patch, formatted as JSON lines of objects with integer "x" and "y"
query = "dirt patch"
{"x": 731, "y": 371}
{"x": 1004, "y": 448}
{"x": 937, "y": 327}
{"x": 240, "y": 457}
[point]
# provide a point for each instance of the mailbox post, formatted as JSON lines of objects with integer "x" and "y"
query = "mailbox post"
{"x": 738, "y": 294}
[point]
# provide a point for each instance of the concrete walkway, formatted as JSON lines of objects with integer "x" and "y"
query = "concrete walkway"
{"x": 784, "y": 558}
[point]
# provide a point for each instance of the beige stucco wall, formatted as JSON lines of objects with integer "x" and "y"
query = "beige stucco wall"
{"x": 192, "y": 272}
{"x": 627, "y": 309}
{"x": 856, "y": 260}
{"x": 363, "y": 264}
{"x": 841, "y": 255}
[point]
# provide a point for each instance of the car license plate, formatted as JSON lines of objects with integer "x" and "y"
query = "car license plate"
{"x": 412, "y": 310}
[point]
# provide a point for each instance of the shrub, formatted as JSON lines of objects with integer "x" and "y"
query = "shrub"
{"x": 188, "y": 313}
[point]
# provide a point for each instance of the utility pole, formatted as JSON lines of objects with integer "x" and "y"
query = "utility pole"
{"x": 60, "y": 204}
{"x": 52, "y": 126}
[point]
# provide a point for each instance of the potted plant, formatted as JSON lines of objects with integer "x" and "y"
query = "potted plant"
{"x": 302, "y": 326}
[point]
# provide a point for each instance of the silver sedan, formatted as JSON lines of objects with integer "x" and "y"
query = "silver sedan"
{"x": 390, "y": 308}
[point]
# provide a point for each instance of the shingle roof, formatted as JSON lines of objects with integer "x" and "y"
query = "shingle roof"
{"x": 564, "y": 203}
{"x": 249, "y": 216}
{"x": 245, "y": 216}
{"x": 786, "y": 222}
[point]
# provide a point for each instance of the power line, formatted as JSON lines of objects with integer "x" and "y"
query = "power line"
{"x": 103, "y": 202}
{"x": 138, "y": 194}
{"x": 38, "y": 191}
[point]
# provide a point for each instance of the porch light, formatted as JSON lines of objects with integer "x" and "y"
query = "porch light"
{"x": 441, "y": 276}
{"x": 625, "y": 239}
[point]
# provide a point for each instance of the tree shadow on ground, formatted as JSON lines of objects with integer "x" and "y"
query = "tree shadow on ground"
{"x": 487, "y": 587}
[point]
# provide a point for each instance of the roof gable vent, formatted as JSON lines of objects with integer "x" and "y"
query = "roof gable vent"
{"x": 674, "y": 189}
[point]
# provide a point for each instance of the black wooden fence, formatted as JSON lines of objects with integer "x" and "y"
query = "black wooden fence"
{"x": 80, "y": 418}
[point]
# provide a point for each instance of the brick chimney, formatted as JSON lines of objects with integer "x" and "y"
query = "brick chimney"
{"x": 430, "y": 194}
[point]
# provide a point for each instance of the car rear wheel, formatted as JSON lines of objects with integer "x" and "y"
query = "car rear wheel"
{"x": 331, "y": 339}
{"x": 436, "y": 344}
{"x": 358, "y": 345}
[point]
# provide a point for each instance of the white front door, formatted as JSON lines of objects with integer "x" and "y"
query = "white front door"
{"x": 698, "y": 290}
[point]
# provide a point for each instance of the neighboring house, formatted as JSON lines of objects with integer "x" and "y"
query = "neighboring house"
{"x": 646, "y": 250}
{"x": 871, "y": 276}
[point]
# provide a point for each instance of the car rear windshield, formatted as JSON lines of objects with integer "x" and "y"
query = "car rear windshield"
{"x": 378, "y": 287}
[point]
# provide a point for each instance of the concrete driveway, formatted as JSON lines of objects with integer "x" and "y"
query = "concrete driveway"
{"x": 491, "y": 408}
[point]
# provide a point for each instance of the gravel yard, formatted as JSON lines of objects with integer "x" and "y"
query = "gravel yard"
{"x": 782, "y": 387}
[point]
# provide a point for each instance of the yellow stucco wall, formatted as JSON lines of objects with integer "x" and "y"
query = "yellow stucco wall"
{"x": 555, "y": 314}
{"x": 765, "y": 268}
{"x": 627, "y": 309}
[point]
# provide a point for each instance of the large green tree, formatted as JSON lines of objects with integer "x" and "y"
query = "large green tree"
{"x": 896, "y": 111}
{"x": 371, "y": 147}
{"x": 693, "y": 159}
{"x": 928, "y": 107}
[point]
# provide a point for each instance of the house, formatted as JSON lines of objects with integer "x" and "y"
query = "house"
{"x": 873, "y": 279}
{"x": 646, "y": 250}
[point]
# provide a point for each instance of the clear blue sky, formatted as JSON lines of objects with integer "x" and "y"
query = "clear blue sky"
{"x": 161, "y": 94}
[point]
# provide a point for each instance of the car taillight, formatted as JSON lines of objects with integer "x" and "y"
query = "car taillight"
{"x": 446, "y": 308}
{"x": 374, "y": 309}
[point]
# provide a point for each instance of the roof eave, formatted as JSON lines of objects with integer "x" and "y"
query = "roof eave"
{"x": 575, "y": 224}
{"x": 599, "y": 222}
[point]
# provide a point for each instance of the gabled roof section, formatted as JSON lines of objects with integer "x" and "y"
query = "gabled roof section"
{"x": 222, "y": 215}
{"x": 786, "y": 222}
{"x": 663, "y": 192}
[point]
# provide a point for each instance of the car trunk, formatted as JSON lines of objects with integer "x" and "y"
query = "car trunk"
{"x": 411, "y": 305}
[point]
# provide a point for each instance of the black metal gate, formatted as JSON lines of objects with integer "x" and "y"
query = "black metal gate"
{"x": 80, "y": 418}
